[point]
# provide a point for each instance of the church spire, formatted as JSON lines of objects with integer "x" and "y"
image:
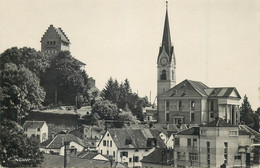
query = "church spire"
{"x": 166, "y": 40}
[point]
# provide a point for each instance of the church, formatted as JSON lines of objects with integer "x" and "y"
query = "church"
{"x": 189, "y": 102}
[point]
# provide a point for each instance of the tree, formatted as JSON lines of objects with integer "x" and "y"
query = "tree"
{"x": 64, "y": 80}
{"x": 16, "y": 150}
{"x": 246, "y": 112}
{"x": 21, "y": 91}
{"x": 105, "y": 110}
{"x": 34, "y": 60}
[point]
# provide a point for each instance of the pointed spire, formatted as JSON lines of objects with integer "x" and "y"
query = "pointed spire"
{"x": 166, "y": 41}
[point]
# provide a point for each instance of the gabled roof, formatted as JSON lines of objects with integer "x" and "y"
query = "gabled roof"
{"x": 190, "y": 131}
{"x": 62, "y": 35}
{"x": 157, "y": 157}
{"x": 223, "y": 92}
{"x": 138, "y": 137}
{"x": 58, "y": 140}
{"x": 58, "y": 161}
{"x": 33, "y": 124}
{"x": 193, "y": 87}
{"x": 218, "y": 122}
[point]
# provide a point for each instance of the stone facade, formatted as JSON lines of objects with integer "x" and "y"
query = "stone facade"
{"x": 54, "y": 40}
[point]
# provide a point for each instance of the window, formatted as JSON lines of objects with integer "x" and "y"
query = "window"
{"x": 211, "y": 115}
{"x": 136, "y": 159}
{"x": 211, "y": 105}
{"x": 167, "y": 117}
{"x": 110, "y": 143}
{"x": 51, "y": 42}
{"x": 114, "y": 154}
{"x": 54, "y": 42}
{"x": 178, "y": 155}
{"x": 172, "y": 75}
{"x": 124, "y": 154}
{"x": 104, "y": 142}
{"x": 167, "y": 104}
{"x": 130, "y": 159}
{"x": 107, "y": 142}
{"x": 101, "y": 152}
{"x": 225, "y": 152}
{"x": 208, "y": 155}
{"x": 192, "y": 105}
{"x": 238, "y": 157}
{"x": 233, "y": 133}
{"x": 195, "y": 142}
{"x": 107, "y": 152}
{"x": 177, "y": 142}
{"x": 48, "y": 42}
{"x": 192, "y": 116}
{"x": 189, "y": 142}
{"x": 107, "y": 134}
{"x": 179, "y": 106}
{"x": 193, "y": 156}
{"x": 163, "y": 75}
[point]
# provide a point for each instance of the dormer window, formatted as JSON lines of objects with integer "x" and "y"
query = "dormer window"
{"x": 151, "y": 142}
{"x": 128, "y": 141}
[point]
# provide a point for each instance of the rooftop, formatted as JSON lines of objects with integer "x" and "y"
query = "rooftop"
{"x": 157, "y": 157}
{"x": 33, "y": 124}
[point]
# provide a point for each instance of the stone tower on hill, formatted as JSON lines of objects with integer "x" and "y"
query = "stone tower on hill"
{"x": 54, "y": 40}
{"x": 166, "y": 63}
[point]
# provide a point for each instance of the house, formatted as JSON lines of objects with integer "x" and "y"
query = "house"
{"x": 150, "y": 114}
{"x": 57, "y": 144}
{"x": 215, "y": 144}
{"x": 91, "y": 134}
{"x": 58, "y": 161}
{"x": 129, "y": 145}
{"x": 160, "y": 157}
{"x": 36, "y": 128}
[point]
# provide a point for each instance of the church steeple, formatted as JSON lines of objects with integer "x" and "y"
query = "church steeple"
{"x": 166, "y": 64}
{"x": 166, "y": 40}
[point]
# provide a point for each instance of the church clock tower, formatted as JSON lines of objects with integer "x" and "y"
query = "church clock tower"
{"x": 166, "y": 63}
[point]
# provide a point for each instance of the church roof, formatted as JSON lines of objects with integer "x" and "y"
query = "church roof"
{"x": 223, "y": 92}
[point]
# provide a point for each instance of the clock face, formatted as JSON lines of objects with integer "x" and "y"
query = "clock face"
{"x": 164, "y": 61}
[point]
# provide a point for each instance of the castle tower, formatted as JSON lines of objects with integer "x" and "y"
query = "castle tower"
{"x": 166, "y": 63}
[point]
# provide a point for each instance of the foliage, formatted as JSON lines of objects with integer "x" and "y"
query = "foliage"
{"x": 21, "y": 91}
{"x": 105, "y": 110}
{"x": 35, "y": 61}
{"x": 65, "y": 79}
{"x": 16, "y": 150}
{"x": 122, "y": 94}
{"x": 246, "y": 112}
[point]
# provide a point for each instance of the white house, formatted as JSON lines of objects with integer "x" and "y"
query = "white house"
{"x": 57, "y": 144}
{"x": 36, "y": 128}
{"x": 129, "y": 145}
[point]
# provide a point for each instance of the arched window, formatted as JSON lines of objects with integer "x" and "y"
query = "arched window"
{"x": 163, "y": 75}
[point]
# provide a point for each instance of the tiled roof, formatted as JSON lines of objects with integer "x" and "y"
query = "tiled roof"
{"x": 62, "y": 35}
{"x": 199, "y": 86}
{"x": 58, "y": 161}
{"x": 57, "y": 141}
{"x": 138, "y": 137}
{"x": 190, "y": 131}
{"x": 222, "y": 92}
{"x": 218, "y": 122}
{"x": 157, "y": 157}
{"x": 33, "y": 124}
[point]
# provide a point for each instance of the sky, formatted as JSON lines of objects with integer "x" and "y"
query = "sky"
{"x": 216, "y": 41}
